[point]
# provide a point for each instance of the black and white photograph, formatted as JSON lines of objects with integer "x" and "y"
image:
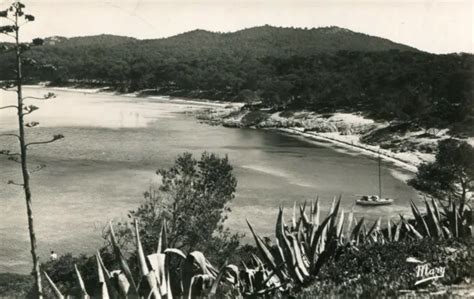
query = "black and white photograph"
{"x": 164, "y": 149}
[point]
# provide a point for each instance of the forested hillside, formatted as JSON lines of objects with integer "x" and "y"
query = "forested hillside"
{"x": 322, "y": 69}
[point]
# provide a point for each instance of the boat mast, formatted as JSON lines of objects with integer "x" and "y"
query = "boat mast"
{"x": 380, "y": 178}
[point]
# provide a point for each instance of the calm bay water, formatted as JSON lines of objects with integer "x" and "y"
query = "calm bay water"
{"x": 114, "y": 145}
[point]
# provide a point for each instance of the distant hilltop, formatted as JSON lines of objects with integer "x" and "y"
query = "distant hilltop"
{"x": 262, "y": 40}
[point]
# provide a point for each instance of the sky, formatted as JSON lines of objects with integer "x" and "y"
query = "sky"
{"x": 429, "y": 25}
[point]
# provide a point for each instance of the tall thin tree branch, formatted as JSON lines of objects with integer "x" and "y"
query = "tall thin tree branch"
{"x": 10, "y": 135}
{"x": 35, "y": 98}
{"x": 16, "y": 184}
{"x": 55, "y": 138}
{"x": 9, "y": 106}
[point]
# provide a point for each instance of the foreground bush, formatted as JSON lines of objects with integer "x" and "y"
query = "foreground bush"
{"x": 375, "y": 270}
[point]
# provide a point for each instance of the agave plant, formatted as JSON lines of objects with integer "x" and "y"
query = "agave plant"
{"x": 299, "y": 250}
{"x": 198, "y": 277}
{"x": 302, "y": 248}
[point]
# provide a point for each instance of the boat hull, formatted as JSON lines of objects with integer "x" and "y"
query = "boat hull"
{"x": 374, "y": 203}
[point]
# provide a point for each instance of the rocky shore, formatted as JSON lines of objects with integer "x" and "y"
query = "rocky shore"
{"x": 396, "y": 142}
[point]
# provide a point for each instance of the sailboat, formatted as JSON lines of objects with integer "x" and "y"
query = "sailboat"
{"x": 375, "y": 200}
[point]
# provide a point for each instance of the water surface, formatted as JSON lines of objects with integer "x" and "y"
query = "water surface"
{"x": 115, "y": 144}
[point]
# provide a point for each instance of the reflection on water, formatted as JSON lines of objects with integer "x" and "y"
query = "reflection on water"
{"x": 113, "y": 147}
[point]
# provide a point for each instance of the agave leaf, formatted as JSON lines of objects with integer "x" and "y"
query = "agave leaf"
{"x": 316, "y": 212}
{"x": 123, "y": 262}
{"x": 199, "y": 284}
{"x": 433, "y": 223}
{"x": 299, "y": 258}
{"x": 389, "y": 230}
{"x": 397, "y": 231}
{"x": 340, "y": 226}
{"x": 56, "y": 291}
{"x": 104, "y": 293}
{"x": 316, "y": 240}
{"x": 285, "y": 247}
{"x": 111, "y": 288}
{"x": 187, "y": 276}
{"x": 157, "y": 263}
{"x": 333, "y": 205}
{"x": 194, "y": 258}
{"x": 413, "y": 230}
{"x": 120, "y": 279}
{"x": 334, "y": 211}
{"x": 234, "y": 279}
{"x": 162, "y": 239}
{"x": 176, "y": 252}
{"x": 322, "y": 240}
{"x": 140, "y": 254}
{"x": 436, "y": 210}
{"x": 447, "y": 232}
{"x": 215, "y": 284}
{"x": 81, "y": 284}
{"x": 350, "y": 220}
{"x": 167, "y": 280}
{"x": 454, "y": 223}
{"x": 303, "y": 208}
{"x": 280, "y": 256}
{"x": 293, "y": 219}
{"x": 257, "y": 261}
{"x": 324, "y": 257}
{"x": 272, "y": 274}
{"x": 373, "y": 231}
{"x": 150, "y": 275}
{"x": 303, "y": 218}
{"x": 267, "y": 255}
{"x": 419, "y": 218}
{"x": 234, "y": 271}
{"x": 357, "y": 229}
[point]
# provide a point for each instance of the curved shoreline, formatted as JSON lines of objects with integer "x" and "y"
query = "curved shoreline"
{"x": 364, "y": 150}
{"x": 368, "y": 150}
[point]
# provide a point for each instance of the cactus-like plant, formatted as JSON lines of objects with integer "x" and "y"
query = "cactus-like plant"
{"x": 291, "y": 262}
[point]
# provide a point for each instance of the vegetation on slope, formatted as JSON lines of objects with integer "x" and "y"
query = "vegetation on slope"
{"x": 324, "y": 69}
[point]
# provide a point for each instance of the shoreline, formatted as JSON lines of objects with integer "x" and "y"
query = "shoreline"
{"x": 359, "y": 148}
{"x": 170, "y": 99}
{"x": 342, "y": 141}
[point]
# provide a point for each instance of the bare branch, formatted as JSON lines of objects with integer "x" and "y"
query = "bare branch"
{"x": 34, "y": 98}
{"x": 9, "y": 106}
{"x": 11, "y": 135}
{"x": 29, "y": 109}
{"x": 55, "y": 138}
{"x": 10, "y": 182}
{"x": 49, "y": 95}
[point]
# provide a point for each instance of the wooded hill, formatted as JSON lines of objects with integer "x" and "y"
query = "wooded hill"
{"x": 323, "y": 69}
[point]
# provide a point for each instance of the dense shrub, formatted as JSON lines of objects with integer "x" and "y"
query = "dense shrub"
{"x": 375, "y": 270}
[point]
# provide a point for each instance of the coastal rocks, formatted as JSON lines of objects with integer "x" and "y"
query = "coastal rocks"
{"x": 395, "y": 140}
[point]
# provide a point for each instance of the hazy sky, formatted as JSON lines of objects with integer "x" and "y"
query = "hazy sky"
{"x": 430, "y": 25}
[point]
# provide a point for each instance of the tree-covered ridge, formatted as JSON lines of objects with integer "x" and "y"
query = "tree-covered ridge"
{"x": 324, "y": 69}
